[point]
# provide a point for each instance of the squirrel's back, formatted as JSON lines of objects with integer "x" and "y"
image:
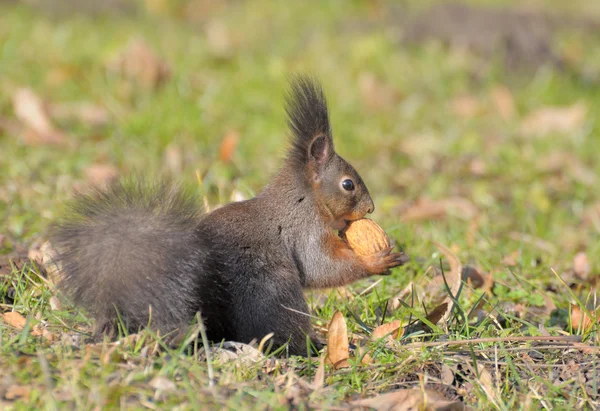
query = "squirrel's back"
{"x": 130, "y": 244}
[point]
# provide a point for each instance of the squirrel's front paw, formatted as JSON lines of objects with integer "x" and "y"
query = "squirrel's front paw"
{"x": 383, "y": 261}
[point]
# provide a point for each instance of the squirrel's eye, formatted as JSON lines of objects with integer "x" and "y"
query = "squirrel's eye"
{"x": 348, "y": 185}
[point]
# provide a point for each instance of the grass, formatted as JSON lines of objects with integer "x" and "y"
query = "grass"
{"x": 530, "y": 197}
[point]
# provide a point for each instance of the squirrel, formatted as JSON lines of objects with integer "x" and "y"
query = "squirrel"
{"x": 141, "y": 253}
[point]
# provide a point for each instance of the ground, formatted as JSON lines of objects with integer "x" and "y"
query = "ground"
{"x": 473, "y": 126}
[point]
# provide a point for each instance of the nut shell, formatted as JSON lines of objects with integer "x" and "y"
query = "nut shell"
{"x": 365, "y": 237}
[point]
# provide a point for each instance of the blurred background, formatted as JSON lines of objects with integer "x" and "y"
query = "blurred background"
{"x": 473, "y": 123}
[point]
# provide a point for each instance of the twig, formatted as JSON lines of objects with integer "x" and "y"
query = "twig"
{"x": 211, "y": 374}
{"x": 575, "y": 338}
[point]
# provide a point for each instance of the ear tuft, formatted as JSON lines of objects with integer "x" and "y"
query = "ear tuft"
{"x": 308, "y": 120}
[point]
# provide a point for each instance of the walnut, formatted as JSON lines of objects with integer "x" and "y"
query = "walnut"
{"x": 365, "y": 237}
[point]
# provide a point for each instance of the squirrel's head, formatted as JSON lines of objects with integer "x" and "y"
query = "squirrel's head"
{"x": 338, "y": 189}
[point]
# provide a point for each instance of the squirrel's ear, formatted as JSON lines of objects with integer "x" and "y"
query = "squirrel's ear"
{"x": 320, "y": 150}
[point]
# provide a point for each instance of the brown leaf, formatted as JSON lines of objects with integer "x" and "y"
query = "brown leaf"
{"x": 10, "y": 127}
{"x": 158, "y": 7}
{"x": 228, "y": 146}
{"x": 219, "y": 40}
{"x": 161, "y": 383}
{"x": 375, "y": 94}
{"x": 31, "y": 111}
{"x": 16, "y": 392}
{"x": 554, "y": 119}
{"x": 410, "y": 399}
{"x": 138, "y": 62}
{"x": 100, "y": 175}
{"x": 466, "y": 106}
{"x": 17, "y": 321}
{"x": 423, "y": 210}
{"x": 581, "y": 265}
{"x": 338, "y": 349}
{"x": 363, "y": 355}
{"x": 511, "y": 259}
{"x": 35, "y": 253}
{"x": 52, "y": 269}
{"x": 438, "y": 313}
{"x": 14, "y": 319}
{"x": 58, "y": 76}
{"x": 478, "y": 167}
{"x": 391, "y": 330}
{"x": 319, "y": 380}
{"x": 173, "y": 158}
{"x": 475, "y": 279}
{"x": 503, "y": 102}
{"x": 55, "y": 303}
{"x": 401, "y": 296}
{"x": 486, "y": 382}
{"x": 453, "y": 277}
{"x": 529, "y": 239}
{"x": 580, "y": 319}
{"x": 447, "y": 375}
{"x": 426, "y": 209}
{"x": 87, "y": 113}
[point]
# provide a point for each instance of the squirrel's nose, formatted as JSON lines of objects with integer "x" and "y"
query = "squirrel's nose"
{"x": 371, "y": 207}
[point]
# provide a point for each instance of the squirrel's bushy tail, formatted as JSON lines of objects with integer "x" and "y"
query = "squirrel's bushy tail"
{"x": 131, "y": 251}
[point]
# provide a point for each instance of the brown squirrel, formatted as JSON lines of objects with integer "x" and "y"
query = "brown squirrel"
{"x": 142, "y": 253}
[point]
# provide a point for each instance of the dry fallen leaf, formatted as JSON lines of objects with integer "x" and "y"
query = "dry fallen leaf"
{"x": 338, "y": 349}
{"x": 375, "y": 94}
{"x": 173, "y": 158}
{"x": 466, "y": 106}
{"x": 55, "y": 304}
{"x": 473, "y": 277}
{"x": 581, "y": 265}
{"x": 401, "y": 296}
{"x": 426, "y": 209}
{"x": 158, "y": 7}
{"x": 100, "y": 175}
{"x": 32, "y": 112}
{"x": 363, "y": 355}
{"x": 87, "y": 113}
{"x": 17, "y": 321}
{"x": 53, "y": 270}
{"x": 228, "y": 145}
{"x": 437, "y": 313}
{"x": 447, "y": 375}
{"x": 219, "y": 39}
{"x": 16, "y": 392}
{"x": 140, "y": 63}
{"x": 319, "y": 380}
{"x": 161, "y": 383}
{"x": 503, "y": 102}
{"x": 580, "y": 319}
{"x": 14, "y": 319}
{"x": 554, "y": 120}
{"x": 245, "y": 354}
{"x": 478, "y": 167}
{"x": 391, "y": 330}
{"x": 410, "y": 400}
{"x": 511, "y": 259}
{"x": 10, "y": 127}
{"x": 486, "y": 381}
{"x": 423, "y": 209}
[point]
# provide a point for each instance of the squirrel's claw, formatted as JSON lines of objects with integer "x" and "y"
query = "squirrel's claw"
{"x": 384, "y": 260}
